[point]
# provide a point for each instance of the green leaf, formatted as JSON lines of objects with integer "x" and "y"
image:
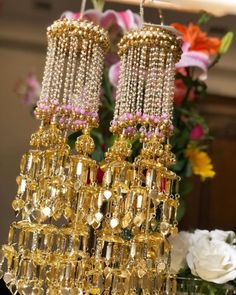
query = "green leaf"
{"x": 97, "y": 137}
{"x": 98, "y": 154}
{"x": 189, "y": 170}
{"x": 72, "y": 138}
{"x": 226, "y": 42}
{"x": 180, "y": 163}
{"x": 185, "y": 187}
{"x": 181, "y": 209}
{"x": 204, "y": 19}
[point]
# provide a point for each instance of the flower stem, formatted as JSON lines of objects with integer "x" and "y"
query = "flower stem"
{"x": 98, "y": 4}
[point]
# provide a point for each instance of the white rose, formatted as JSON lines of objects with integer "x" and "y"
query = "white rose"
{"x": 200, "y": 235}
{"x": 222, "y": 235}
{"x": 212, "y": 260}
{"x": 180, "y": 244}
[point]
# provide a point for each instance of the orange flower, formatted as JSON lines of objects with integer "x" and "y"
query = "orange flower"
{"x": 198, "y": 40}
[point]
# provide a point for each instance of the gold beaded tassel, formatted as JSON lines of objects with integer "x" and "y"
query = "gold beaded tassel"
{"x": 69, "y": 273}
{"x": 37, "y": 249}
{"x": 156, "y": 209}
{"x": 136, "y": 206}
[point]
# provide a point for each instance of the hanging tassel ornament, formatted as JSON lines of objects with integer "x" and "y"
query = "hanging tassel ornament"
{"x": 137, "y": 204}
{"x": 54, "y": 186}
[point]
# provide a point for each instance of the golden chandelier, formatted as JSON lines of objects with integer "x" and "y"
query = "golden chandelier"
{"x": 74, "y": 236}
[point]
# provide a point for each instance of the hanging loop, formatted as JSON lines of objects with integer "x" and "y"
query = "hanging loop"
{"x": 160, "y": 13}
{"x": 82, "y": 8}
{"x": 142, "y": 11}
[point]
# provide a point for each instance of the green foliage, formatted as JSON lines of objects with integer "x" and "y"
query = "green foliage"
{"x": 193, "y": 284}
{"x": 204, "y": 18}
{"x": 226, "y": 42}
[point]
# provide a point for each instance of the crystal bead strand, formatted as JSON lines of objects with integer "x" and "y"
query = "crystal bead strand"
{"x": 97, "y": 69}
{"x": 128, "y": 105}
{"x": 72, "y": 60}
{"x": 141, "y": 82}
{"x": 87, "y": 77}
{"x": 124, "y": 98}
{"x": 134, "y": 81}
{"x": 80, "y": 74}
{"x": 171, "y": 75}
{"x": 161, "y": 79}
{"x": 56, "y": 75}
{"x": 120, "y": 94}
{"x": 168, "y": 87}
{"x": 66, "y": 93}
{"x": 157, "y": 87}
{"x": 47, "y": 74}
{"x": 150, "y": 83}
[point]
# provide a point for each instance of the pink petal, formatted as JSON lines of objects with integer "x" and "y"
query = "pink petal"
{"x": 126, "y": 20}
{"x": 197, "y": 132}
{"x": 114, "y": 74}
{"x": 70, "y": 15}
{"x": 93, "y": 16}
{"x": 195, "y": 59}
{"x": 90, "y": 14}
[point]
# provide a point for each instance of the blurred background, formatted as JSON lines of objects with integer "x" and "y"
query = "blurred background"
{"x": 212, "y": 203}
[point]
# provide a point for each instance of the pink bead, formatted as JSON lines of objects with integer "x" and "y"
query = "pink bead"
{"x": 145, "y": 116}
{"x": 164, "y": 116}
{"x": 152, "y": 117}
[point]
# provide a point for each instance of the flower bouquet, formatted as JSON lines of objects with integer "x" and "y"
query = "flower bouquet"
{"x": 205, "y": 262}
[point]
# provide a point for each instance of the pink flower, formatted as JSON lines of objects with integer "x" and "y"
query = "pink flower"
{"x": 120, "y": 21}
{"x": 197, "y": 132}
{"x": 29, "y": 90}
{"x": 111, "y": 20}
{"x": 114, "y": 74}
{"x": 90, "y": 14}
{"x": 196, "y": 59}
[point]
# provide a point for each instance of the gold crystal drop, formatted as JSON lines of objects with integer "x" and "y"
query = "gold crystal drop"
{"x": 107, "y": 194}
{"x": 114, "y": 222}
{"x": 18, "y": 204}
{"x": 127, "y": 219}
{"x": 98, "y": 216}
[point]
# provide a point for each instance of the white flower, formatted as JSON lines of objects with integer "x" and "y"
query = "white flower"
{"x": 222, "y": 235}
{"x": 180, "y": 244}
{"x": 200, "y": 235}
{"x": 212, "y": 260}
